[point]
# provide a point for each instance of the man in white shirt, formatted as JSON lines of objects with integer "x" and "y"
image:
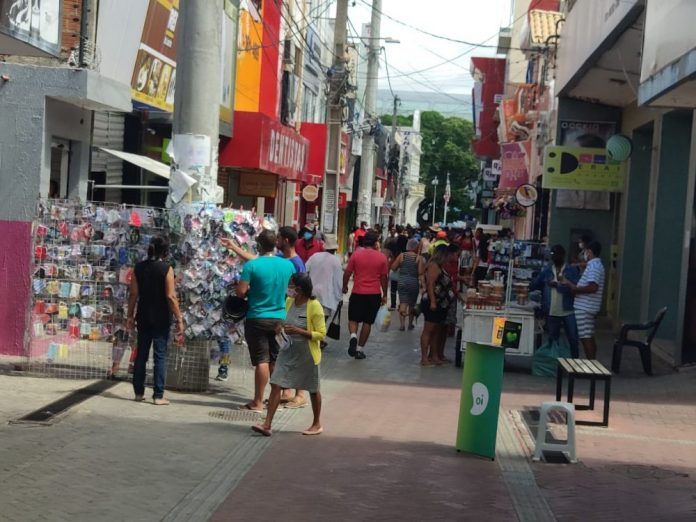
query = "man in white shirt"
{"x": 327, "y": 276}
{"x": 588, "y": 298}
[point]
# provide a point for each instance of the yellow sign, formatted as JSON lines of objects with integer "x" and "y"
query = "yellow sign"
{"x": 498, "y": 331}
{"x": 578, "y": 168}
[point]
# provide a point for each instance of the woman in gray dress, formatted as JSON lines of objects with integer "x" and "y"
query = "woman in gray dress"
{"x": 297, "y": 366}
{"x": 410, "y": 267}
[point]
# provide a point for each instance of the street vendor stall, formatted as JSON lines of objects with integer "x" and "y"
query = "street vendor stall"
{"x": 505, "y": 296}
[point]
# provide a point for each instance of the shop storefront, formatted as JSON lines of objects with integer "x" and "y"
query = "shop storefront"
{"x": 269, "y": 163}
{"x": 631, "y": 61}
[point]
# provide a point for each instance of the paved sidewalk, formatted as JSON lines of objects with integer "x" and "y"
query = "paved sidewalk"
{"x": 387, "y": 452}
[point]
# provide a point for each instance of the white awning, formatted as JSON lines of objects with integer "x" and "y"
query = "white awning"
{"x": 135, "y": 187}
{"x": 154, "y": 166}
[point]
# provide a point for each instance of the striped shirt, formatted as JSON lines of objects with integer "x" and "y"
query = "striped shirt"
{"x": 594, "y": 273}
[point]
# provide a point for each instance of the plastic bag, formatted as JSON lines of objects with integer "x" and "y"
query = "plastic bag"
{"x": 383, "y": 320}
{"x": 544, "y": 362}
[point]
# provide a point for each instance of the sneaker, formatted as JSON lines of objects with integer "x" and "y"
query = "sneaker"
{"x": 353, "y": 346}
{"x": 360, "y": 355}
{"x": 221, "y": 376}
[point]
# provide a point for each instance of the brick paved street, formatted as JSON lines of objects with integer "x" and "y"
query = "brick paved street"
{"x": 386, "y": 454}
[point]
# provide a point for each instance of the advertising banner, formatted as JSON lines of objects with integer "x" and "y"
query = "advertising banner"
{"x": 515, "y": 164}
{"x": 154, "y": 75}
{"x": 581, "y": 169}
{"x": 482, "y": 383}
{"x": 592, "y": 134}
{"x": 34, "y": 22}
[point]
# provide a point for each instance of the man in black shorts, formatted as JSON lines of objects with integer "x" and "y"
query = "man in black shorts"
{"x": 264, "y": 281}
{"x": 369, "y": 269}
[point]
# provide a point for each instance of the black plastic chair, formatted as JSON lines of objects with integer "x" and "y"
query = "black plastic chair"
{"x": 644, "y": 347}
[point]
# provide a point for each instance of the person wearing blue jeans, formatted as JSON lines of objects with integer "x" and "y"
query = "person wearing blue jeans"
{"x": 151, "y": 303}
{"x": 557, "y": 297}
{"x": 158, "y": 339}
{"x": 224, "y": 345}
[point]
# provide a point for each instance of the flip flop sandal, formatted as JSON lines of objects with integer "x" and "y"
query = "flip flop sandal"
{"x": 261, "y": 430}
{"x": 246, "y": 407}
{"x": 292, "y": 405}
{"x": 310, "y": 433}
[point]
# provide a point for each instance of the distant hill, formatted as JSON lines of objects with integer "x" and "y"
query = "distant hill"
{"x": 447, "y": 104}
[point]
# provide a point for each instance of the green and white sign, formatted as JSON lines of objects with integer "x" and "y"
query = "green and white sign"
{"x": 482, "y": 383}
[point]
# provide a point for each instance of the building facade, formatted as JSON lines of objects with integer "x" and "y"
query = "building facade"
{"x": 49, "y": 94}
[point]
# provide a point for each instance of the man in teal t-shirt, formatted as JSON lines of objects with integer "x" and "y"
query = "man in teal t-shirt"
{"x": 264, "y": 282}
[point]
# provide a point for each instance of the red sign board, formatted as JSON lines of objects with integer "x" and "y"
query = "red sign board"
{"x": 316, "y": 134}
{"x": 515, "y": 164}
{"x": 262, "y": 143}
{"x": 342, "y": 200}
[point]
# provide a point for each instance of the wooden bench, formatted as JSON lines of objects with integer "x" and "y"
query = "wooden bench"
{"x": 589, "y": 370}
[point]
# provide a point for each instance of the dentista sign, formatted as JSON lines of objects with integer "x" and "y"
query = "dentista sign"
{"x": 287, "y": 151}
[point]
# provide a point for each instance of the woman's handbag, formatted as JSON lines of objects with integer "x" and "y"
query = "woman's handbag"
{"x": 334, "y": 330}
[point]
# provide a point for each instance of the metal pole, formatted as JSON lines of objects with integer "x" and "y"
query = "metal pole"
{"x": 395, "y": 174}
{"x": 434, "y": 195}
{"x": 197, "y": 96}
{"x": 447, "y": 187}
{"x": 367, "y": 161}
{"x": 334, "y": 120}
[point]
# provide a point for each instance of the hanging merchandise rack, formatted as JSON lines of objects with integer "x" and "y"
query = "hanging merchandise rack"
{"x": 84, "y": 254}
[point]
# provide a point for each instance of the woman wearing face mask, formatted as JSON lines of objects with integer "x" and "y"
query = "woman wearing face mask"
{"x": 297, "y": 365}
{"x": 308, "y": 245}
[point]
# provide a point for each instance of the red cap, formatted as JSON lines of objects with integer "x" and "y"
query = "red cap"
{"x": 442, "y": 234}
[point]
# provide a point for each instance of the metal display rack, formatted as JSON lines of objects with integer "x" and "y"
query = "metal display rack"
{"x": 84, "y": 255}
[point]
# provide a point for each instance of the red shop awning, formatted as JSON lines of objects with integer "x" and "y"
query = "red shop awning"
{"x": 262, "y": 143}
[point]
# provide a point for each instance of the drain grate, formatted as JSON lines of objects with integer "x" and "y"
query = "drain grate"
{"x": 47, "y": 414}
{"x": 236, "y": 415}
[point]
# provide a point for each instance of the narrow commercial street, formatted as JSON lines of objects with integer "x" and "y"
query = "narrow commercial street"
{"x": 387, "y": 452}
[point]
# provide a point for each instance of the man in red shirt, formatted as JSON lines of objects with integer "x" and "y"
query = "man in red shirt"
{"x": 368, "y": 266}
{"x": 308, "y": 245}
{"x": 359, "y": 235}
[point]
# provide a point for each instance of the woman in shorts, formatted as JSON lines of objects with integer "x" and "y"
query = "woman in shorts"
{"x": 434, "y": 306}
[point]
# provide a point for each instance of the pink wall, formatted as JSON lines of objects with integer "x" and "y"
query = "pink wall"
{"x": 15, "y": 284}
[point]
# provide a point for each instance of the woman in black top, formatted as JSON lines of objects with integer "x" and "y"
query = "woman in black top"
{"x": 151, "y": 303}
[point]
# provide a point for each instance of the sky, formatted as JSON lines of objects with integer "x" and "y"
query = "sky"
{"x": 468, "y": 20}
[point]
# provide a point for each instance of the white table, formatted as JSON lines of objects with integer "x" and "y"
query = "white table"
{"x": 477, "y": 327}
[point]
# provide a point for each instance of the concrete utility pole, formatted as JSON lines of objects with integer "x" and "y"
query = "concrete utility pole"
{"x": 337, "y": 82}
{"x": 392, "y": 153}
{"x": 196, "y": 126}
{"x": 367, "y": 161}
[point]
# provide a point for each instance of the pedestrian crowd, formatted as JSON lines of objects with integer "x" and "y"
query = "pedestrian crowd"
{"x": 291, "y": 292}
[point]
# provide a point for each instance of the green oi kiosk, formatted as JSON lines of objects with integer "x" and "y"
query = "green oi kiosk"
{"x": 480, "y": 400}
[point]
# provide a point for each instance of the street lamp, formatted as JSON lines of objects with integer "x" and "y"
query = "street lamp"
{"x": 435, "y": 183}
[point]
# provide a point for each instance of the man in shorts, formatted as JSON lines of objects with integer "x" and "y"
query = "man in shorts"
{"x": 369, "y": 269}
{"x": 264, "y": 282}
{"x": 588, "y": 297}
